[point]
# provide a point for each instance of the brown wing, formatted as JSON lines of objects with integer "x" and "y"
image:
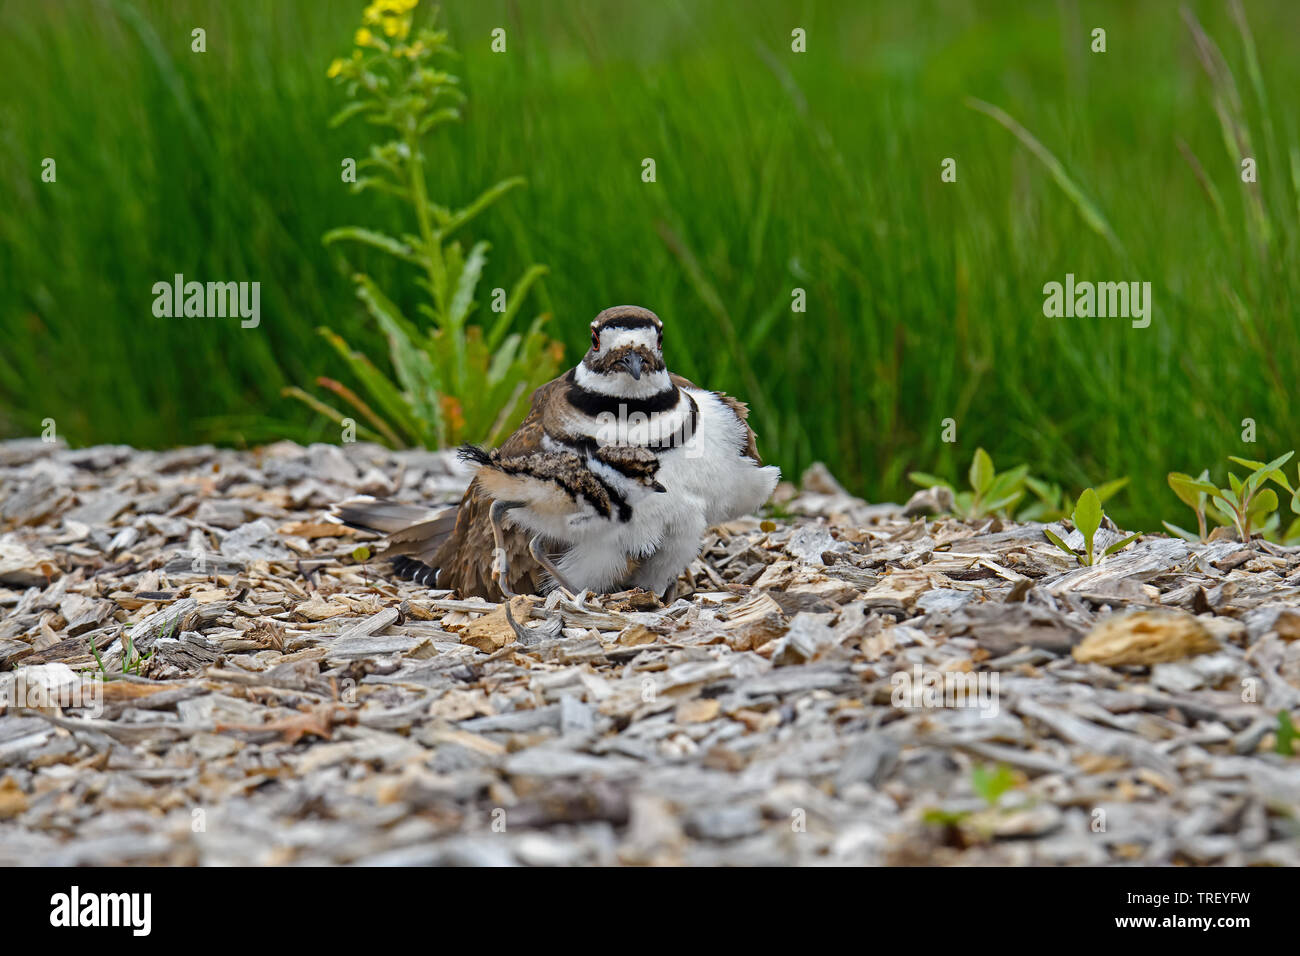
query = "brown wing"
{"x": 737, "y": 406}
{"x": 527, "y": 438}
{"x": 465, "y": 557}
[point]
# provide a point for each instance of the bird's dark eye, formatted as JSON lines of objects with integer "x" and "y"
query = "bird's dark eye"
{"x": 660, "y": 343}
{"x": 595, "y": 341}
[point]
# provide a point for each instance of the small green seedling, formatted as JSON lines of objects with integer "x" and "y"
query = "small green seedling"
{"x": 1286, "y": 735}
{"x": 991, "y": 492}
{"x": 1278, "y": 477}
{"x": 998, "y": 493}
{"x": 990, "y": 783}
{"x": 1191, "y": 492}
{"x": 1087, "y": 519}
{"x": 361, "y": 554}
{"x": 103, "y": 671}
{"x": 1246, "y": 504}
{"x": 133, "y": 660}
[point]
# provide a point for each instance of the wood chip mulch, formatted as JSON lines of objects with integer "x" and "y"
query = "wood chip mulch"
{"x": 194, "y": 669}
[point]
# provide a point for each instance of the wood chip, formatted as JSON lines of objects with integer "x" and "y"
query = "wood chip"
{"x": 1142, "y": 638}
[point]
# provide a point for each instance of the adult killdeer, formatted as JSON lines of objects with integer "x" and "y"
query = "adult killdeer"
{"x": 610, "y": 482}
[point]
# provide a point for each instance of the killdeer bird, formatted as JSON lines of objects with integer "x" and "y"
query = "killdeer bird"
{"x": 609, "y": 483}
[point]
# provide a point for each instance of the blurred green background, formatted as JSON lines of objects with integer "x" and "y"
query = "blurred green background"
{"x": 775, "y": 170}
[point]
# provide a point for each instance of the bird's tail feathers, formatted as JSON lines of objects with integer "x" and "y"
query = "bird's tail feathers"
{"x": 381, "y": 516}
{"x": 474, "y": 455}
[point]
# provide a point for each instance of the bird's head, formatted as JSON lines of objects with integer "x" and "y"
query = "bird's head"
{"x": 626, "y": 351}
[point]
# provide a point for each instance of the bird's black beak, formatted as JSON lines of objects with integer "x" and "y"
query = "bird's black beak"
{"x": 633, "y": 362}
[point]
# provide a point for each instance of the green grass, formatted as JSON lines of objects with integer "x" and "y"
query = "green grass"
{"x": 775, "y": 170}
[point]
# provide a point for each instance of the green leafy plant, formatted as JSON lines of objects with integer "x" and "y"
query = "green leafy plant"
{"x": 998, "y": 493}
{"x": 1278, "y": 476}
{"x": 361, "y": 555}
{"x": 1087, "y": 517}
{"x": 128, "y": 650}
{"x": 991, "y": 783}
{"x": 1286, "y": 735}
{"x": 455, "y": 380}
{"x": 1191, "y": 491}
{"x": 991, "y": 492}
{"x": 132, "y": 660}
{"x": 99, "y": 660}
{"x": 1247, "y": 505}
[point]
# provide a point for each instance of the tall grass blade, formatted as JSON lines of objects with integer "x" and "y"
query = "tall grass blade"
{"x": 1088, "y": 209}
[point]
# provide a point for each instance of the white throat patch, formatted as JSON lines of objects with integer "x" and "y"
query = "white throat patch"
{"x": 621, "y": 384}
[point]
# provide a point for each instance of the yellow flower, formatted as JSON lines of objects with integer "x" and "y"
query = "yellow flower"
{"x": 382, "y": 8}
{"x": 335, "y": 69}
{"x": 364, "y": 37}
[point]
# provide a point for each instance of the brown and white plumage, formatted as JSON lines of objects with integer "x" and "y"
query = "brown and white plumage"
{"x": 609, "y": 482}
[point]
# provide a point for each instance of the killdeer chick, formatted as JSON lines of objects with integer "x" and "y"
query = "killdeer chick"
{"x": 610, "y": 482}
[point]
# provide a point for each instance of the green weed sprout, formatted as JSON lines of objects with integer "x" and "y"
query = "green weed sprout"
{"x": 1087, "y": 518}
{"x": 1246, "y": 505}
{"x": 1286, "y": 735}
{"x": 991, "y": 492}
